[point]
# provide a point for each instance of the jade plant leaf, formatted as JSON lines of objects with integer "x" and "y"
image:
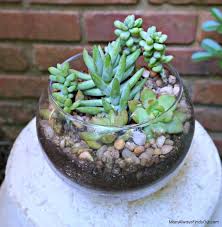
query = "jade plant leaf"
{"x": 133, "y": 104}
{"x": 89, "y": 136}
{"x": 147, "y": 96}
{"x": 140, "y": 115}
{"x": 166, "y": 101}
{"x": 174, "y": 127}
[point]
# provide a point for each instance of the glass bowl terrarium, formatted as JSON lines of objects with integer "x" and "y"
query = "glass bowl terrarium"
{"x": 120, "y": 118}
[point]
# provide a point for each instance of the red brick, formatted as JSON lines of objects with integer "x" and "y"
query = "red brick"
{"x": 39, "y": 25}
{"x": 48, "y": 55}
{"x": 18, "y": 86}
{"x": 204, "y": 16}
{"x": 180, "y": 27}
{"x": 183, "y": 63}
{"x": 207, "y": 91}
{"x": 210, "y": 118}
{"x": 8, "y": 1}
{"x": 217, "y": 138}
{"x": 183, "y": 2}
{"x": 12, "y": 58}
{"x": 17, "y": 112}
{"x": 85, "y": 2}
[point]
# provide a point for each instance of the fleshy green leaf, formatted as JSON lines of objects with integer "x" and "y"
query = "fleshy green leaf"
{"x": 140, "y": 115}
{"x": 89, "y": 62}
{"x": 98, "y": 60}
{"x": 210, "y": 26}
{"x": 211, "y": 46}
{"x": 133, "y": 104}
{"x": 124, "y": 97}
{"x": 121, "y": 67}
{"x": 201, "y": 56}
{"x": 166, "y": 101}
{"x": 147, "y": 95}
{"x": 107, "y": 69}
{"x": 90, "y": 110}
{"x": 115, "y": 91}
{"x": 217, "y": 14}
{"x": 100, "y": 83}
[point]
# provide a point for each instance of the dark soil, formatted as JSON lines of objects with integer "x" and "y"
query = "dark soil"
{"x": 92, "y": 174}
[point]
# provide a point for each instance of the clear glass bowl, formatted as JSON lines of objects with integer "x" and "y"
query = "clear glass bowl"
{"x": 97, "y": 164}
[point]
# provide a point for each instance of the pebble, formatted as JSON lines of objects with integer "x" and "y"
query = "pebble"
{"x": 152, "y": 141}
{"x": 114, "y": 154}
{"x": 166, "y": 90}
{"x": 121, "y": 163}
{"x": 176, "y": 90}
{"x": 49, "y": 132}
{"x": 146, "y": 74}
{"x": 127, "y": 153}
{"x": 145, "y": 158}
{"x": 160, "y": 141}
{"x": 100, "y": 151}
{"x": 150, "y": 84}
{"x": 169, "y": 142}
{"x": 63, "y": 143}
{"x": 119, "y": 144}
{"x": 147, "y": 145}
{"x": 166, "y": 149}
{"x": 157, "y": 151}
{"x": 130, "y": 157}
{"x": 159, "y": 83}
{"x": 130, "y": 145}
{"x": 172, "y": 79}
{"x": 86, "y": 156}
{"x": 186, "y": 127}
{"x": 139, "y": 150}
{"x": 153, "y": 74}
{"x": 139, "y": 138}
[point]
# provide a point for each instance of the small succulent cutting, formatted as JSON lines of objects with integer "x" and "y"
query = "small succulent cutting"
{"x": 113, "y": 90}
{"x": 211, "y": 48}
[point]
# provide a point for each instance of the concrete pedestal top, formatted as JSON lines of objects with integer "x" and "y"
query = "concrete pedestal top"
{"x": 33, "y": 195}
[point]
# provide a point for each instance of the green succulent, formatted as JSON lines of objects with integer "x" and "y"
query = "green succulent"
{"x": 159, "y": 111}
{"x": 128, "y": 32}
{"x": 111, "y": 89}
{"x": 211, "y": 48}
{"x": 152, "y": 43}
{"x": 113, "y": 78}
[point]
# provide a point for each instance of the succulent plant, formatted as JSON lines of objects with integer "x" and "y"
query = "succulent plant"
{"x": 154, "y": 49}
{"x": 111, "y": 89}
{"x": 133, "y": 37}
{"x": 212, "y": 49}
{"x": 160, "y": 111}
{"x": 128, "y": 32}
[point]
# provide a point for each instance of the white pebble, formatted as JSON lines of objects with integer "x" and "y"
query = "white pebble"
{"x": 160, "y": 141}
{"x": 146, "y": 74}
{"x": 166, "y": 149}
{"x": 167, "y": 90}
{"x": 139, "y": 138}
{"x": 172, "y": 79}
{"x": 176, "y": 90}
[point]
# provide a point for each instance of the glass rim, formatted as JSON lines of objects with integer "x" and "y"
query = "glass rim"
{"x": 70, "y": 117}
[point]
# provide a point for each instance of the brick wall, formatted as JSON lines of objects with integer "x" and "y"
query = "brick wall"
{"x": 35, "y": 34}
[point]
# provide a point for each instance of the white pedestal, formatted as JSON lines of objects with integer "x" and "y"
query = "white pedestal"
{"x": 33, "y": 195}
